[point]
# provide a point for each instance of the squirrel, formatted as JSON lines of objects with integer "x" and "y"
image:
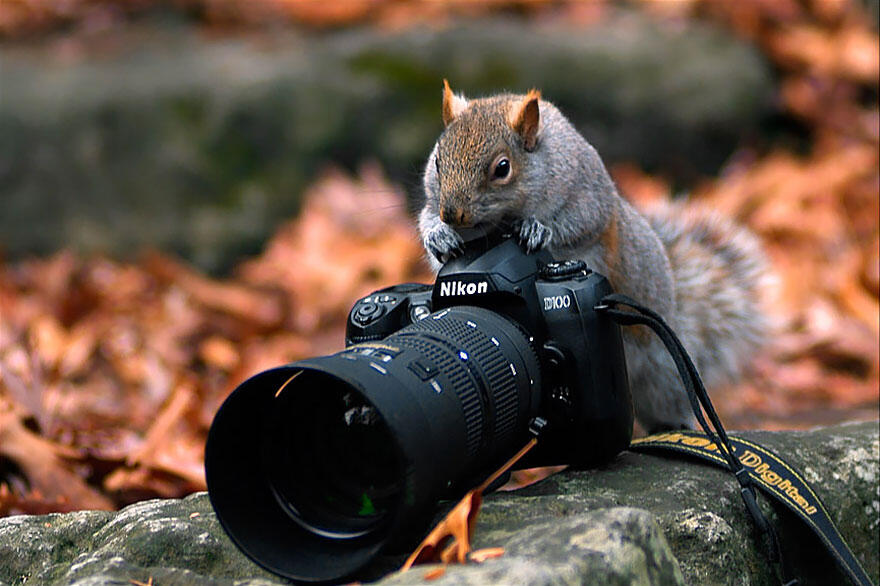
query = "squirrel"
{"x": 516, "y": 160}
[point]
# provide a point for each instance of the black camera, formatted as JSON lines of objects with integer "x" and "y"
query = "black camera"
{"x": 316, "y": 467}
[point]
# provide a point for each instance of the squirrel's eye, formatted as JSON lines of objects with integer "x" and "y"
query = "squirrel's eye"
{"x": 502, "y": 169}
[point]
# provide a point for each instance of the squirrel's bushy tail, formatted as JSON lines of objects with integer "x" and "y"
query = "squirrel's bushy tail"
{"x": 720, "y": 274}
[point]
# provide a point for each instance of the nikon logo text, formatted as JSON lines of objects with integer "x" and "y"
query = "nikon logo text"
{"x": 451, "y": 288}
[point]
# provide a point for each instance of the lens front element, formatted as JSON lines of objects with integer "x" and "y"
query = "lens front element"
{"x": 331, "y": 458}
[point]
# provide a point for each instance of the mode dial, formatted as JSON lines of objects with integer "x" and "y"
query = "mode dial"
{"x": 367, "y": 312}
{"x": 564, "y": 269}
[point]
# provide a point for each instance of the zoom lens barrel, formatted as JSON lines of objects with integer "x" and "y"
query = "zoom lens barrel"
{"x": 315, "y": 467}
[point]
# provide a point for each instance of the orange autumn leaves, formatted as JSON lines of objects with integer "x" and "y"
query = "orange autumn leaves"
{"x": 21, "y": 18}
{"x": 817, "y": 212}
{"x": 806, "y": 39}
{"x": 110, "y": 372}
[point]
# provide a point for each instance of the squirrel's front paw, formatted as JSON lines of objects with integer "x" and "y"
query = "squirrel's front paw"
{"x": 443, "y": 243}
{"x": 534, "y": 235}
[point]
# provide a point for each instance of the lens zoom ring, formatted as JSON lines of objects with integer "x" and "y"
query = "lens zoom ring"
{"x": 498, "y": 376}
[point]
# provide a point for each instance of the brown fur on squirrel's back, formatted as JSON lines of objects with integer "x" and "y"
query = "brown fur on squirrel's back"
{"x": 719, "y": 273}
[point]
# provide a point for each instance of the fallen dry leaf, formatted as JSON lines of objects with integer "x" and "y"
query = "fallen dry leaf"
{"x": 450, "y": 541}
{"x": 434, "y": 573}
{"x": 47, "y": 467}
{"x": 481, "y": 555}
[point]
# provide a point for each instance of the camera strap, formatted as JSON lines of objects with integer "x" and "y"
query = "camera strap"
{"x": 752, "y": 465}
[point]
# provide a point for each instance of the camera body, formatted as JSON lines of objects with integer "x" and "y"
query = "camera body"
{"x": 585, "y": 396}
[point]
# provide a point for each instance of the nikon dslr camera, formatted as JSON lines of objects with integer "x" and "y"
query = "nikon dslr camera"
{"x": 316, "y": 467}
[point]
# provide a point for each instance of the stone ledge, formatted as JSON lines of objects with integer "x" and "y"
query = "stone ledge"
{"x": 641, "y": 520}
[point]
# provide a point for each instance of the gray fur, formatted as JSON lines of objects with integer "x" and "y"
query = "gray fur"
{"x": 562, "y": 198}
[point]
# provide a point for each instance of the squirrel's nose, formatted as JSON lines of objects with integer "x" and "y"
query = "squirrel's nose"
{"x": 454, "y": 216}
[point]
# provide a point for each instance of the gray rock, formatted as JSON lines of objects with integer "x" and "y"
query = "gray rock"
{"x": 700, "y": 511}
{"x": 201, "y": 146}
{"x": 174, "y": 541}
{"x": 617, "y": 545}
{"x": 641, "y": 520}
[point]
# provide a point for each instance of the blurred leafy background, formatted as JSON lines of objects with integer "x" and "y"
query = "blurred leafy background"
{"x": 194, "y": 190}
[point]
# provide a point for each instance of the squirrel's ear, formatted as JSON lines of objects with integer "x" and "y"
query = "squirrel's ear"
{"x": 452, "y": 105}
{"x": 524, "y": 118}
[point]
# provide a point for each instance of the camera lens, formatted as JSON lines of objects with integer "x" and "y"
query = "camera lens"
{"x": 315, "y": 467}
